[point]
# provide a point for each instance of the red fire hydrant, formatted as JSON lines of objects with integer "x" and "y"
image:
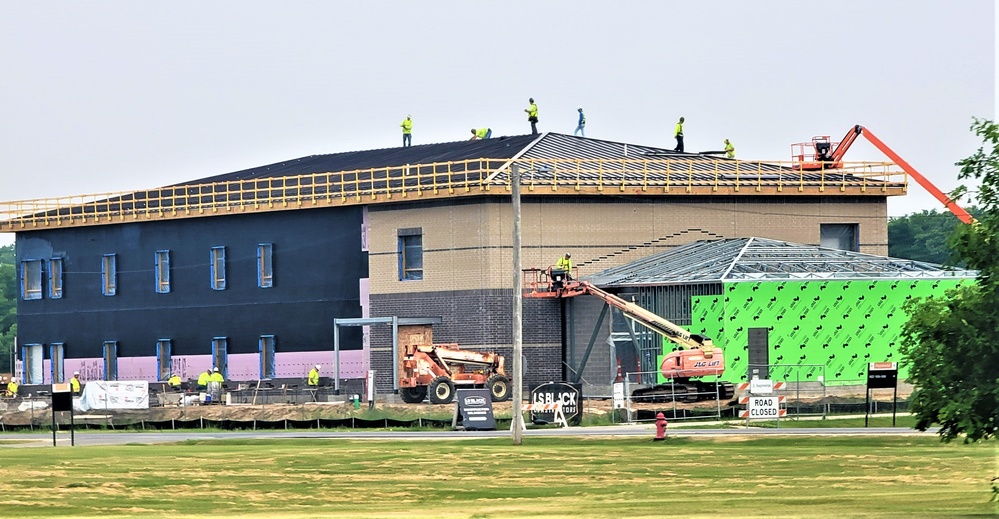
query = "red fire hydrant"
{"x": 660, "y": 428}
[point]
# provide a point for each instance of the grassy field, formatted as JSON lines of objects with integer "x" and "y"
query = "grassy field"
{"x": 551, "y": 477}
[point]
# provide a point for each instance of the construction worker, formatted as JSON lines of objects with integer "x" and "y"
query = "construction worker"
{"x": 565, "y": 264}
{"x": 74, "y": 383}
{"x": 314, "y": 376}
{"x": 532, "y": 116}
{"x": 679, "y": 136}
{"x": 174, "y": 381}
{"x": 581, "y": 125}
{"x": 204, "y": 378}
{"x": 216, "y": 376}
{"x": 407, "y": 131}
{"x": 481, "y": 133}
{"x": 729, "y": 150}
{"x": 11, "y": 389}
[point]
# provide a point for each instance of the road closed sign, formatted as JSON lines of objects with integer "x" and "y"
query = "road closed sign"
{"x": 762, "y": 407}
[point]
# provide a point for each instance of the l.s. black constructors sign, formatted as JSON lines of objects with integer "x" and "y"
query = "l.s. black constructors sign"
{"x": 475, "y": 409}
{"x": 569, "y": 395}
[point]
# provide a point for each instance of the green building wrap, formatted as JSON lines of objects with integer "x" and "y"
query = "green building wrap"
{"x": 839, "y": 324}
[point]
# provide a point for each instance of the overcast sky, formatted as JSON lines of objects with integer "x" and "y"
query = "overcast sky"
{"x": 118, "y": 95}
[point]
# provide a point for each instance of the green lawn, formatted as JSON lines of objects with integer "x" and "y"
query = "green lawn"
{"x": 739, "y": 476}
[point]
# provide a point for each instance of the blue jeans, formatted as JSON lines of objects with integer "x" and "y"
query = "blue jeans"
{"x": 580, "y": 129}
{"x": 489, "y": 133}
{"x": 407, "y": 139}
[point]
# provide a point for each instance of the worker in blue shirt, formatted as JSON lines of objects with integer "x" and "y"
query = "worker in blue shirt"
{"x": 581, "y": 126}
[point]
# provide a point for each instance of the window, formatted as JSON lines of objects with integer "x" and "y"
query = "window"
{"x": 410, "y": 254}
{"x": 162, "y": 261}
{"x": 57, "y": 356}
{"x": 110, "y": 360}
{"x": 218, "y": 269}
{"x": 219, "y": 357}
{"x": 31, "y": 279}
{"x": 109, "y": 275}
{"x": 266, "y": 356}
{"x": 32, "y": 356}
{"x": 265, "y": 268}
{"x": 163, "y": 359}
{"x": 842, "y": 236}
{"x": 55, "y": 278}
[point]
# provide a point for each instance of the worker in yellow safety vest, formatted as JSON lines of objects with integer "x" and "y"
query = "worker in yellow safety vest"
{"x": 729, "y": 150}
{"x": 678, "y": 133}
{"x": 204, "y": 378}
{"x": 565, "y": 263}
{"x": 481, "y": 133}
{"x": 74, "y": 383}
{"x": 11, "y": 389}
{"x": 532, "y": 116}
{"x": 407, "y": 131}
{"x": 314, "y": 376}
{"x": 216, "y": 376}
{"x": 174, "y": 381}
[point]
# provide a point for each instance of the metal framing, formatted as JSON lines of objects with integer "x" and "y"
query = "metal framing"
{"x": 760, "y": 259}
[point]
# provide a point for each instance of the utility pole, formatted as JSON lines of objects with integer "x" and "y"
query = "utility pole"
{"x": 517, "y": 425}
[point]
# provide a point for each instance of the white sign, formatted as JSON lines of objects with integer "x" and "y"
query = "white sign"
{"x": 761, "y": 387}
{"x": 98, "y": 394}
{"x": 764, "y": 407}
{"x": 618, "y": 395}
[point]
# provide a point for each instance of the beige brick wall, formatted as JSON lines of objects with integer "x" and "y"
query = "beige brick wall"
{"x": 468, "y": 245}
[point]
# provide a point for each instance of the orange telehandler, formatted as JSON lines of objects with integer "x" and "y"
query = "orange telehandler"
{"x": 696, "y": 357}
{"x": 433, "y": 372}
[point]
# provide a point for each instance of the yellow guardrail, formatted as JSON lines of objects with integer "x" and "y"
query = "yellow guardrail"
{"x": 653, "y": 176}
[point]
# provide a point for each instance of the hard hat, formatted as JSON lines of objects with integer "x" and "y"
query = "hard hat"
{"x": 568, "y": 255}
{"x": 318, "y": 366}
{"x": 531, "y": 99}
{"x": 216, "y": 369}
{"x": 76, "y": 372}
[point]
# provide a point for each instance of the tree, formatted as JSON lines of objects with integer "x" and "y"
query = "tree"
{"x": 951, "y": 343}
{"x": 924, "y": 236}
{"x": 8, "y": 306}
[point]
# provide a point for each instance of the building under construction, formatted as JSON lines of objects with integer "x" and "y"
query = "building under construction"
{"x": 248, "y": 270}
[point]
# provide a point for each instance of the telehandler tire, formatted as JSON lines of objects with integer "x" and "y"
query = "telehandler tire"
{"x": 441, "y": 390}
{"x": 413, "y": 395}
{"x": 499, "y": 388}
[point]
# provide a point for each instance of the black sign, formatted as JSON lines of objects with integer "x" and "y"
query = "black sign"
{"x": 882, "y": 375}
{"x": 565, "y": 393}
{"x": 475, "y": 406}
{"x": 62, "y": 401}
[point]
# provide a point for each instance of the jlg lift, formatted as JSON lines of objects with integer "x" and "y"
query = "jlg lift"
{"x": 822, "y": 154}
{"x": 698, "y": 357}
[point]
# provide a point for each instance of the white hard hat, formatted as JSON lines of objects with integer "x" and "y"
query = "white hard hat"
{"x": 76, "y": 372}
{"x": 216, "y": 369}
{"x": 318, "y": 366}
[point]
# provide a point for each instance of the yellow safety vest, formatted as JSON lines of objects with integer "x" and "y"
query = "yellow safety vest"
{"x": 407, "y": 126}
{"x": 729, "y": 151}
{"x": 174, "y": 381}
{"x": 481, "y": 133}
{"x": 564, "y": 264}
{"x": 217, "y": 377}
{"x": 12, "y": 387}
{"x": 532, "y": 111}
{"x": 679, "y": 130}
{"x": 314, "y": 377}
{"x": 204, "y": 378}
{"x": 74, "y": 384}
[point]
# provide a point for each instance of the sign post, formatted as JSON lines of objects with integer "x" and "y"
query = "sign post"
{"x": 62, "y": 400}
{"x": 881, "y": 375}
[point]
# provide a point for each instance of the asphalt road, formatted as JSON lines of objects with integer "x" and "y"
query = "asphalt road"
{"x": 90, "y": 438}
